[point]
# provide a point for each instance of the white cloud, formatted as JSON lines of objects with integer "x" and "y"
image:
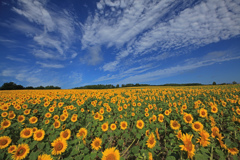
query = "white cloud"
{"x": 43, "y": 54}
{"x": 93, "y": 57}
{"x": 146, "y": 27}
{"x": 50, "y": 27}
{"x": 186, "y": 66}
{"x": 47, "y": 65}
{"x": 13, "y": 58}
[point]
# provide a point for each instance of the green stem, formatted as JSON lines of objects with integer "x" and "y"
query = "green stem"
{"x": 129, "y": 147}
{"x": 211, "y": 158}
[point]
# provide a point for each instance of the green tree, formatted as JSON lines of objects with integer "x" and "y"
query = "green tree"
{"x": 214, "y": 83}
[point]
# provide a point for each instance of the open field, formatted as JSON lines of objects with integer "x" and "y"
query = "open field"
{"x": 201, "y": 122}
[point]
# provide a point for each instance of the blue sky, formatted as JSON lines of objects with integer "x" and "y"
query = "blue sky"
{"x": 81, "y": 42}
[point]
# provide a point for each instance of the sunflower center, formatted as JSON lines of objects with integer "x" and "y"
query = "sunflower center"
{"x": 39, "y": 134}
{"x": 214, "y": 109}
{"x": 65, "y": 134}
{"x": 175, "y": 124}
{"x": 96, "y": 143}
{"x": 189, "y": 145}
{"x": 203, "y": 113}
{"x": 5, "y": 123}
{"x": 3, "y": 142}
{"x": 81, "y": 133}
{"x": 197, "y": 126}
{"x": 58, "y": 147}
{"x": 123, "y": 125}
{"x": 151, "y": 140}
{"x": 20, "y": 152}
{"x": 140, "y": 124}
{"x": 20, "y": 118}
{"x": 188, "y": 118}
{"x": 104, "y": 126}
{"x": 161, "y": 118}
{"x": 110, "y": 157}
{"x": 27, "y": 132}
{"x": 34, "y": 119}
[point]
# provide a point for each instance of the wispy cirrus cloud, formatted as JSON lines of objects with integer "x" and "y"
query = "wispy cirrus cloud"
{"x": 47, "y": 65}
{"x": 13, "y": 58}
{"x": 157, "y": 27}
{"x": 48, "y": 26}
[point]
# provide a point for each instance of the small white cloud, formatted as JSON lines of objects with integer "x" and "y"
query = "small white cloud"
{"x": 13, "y": 58}
{"x": 47, "y": 65}
{"x": 93, "y": 57}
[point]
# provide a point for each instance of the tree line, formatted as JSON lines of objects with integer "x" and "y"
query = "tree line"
{"x": 14, "y": 86}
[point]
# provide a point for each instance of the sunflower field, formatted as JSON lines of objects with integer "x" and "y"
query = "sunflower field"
{"x": 125, "y": 123}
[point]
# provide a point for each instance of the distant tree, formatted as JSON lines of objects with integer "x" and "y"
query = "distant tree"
{"x": 234, "y": 82}
{"x": 123, "y": 85}
{"x": 40, "y": 87}
{"x": 214, "y": 83}
{"x": 117, "y": 86}
{"x": 9, "y": 86}
{"x": 29, "y": 87}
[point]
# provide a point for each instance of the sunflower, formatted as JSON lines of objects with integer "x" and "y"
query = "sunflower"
{"x": 51, "y": 109}
{"x": 47, "y": 121}
{"x": 238, "y": 111}
{"x": 65, "y": 134}
{"x": 133, "y": 114}
{"x": 11, "y": 115}
{"x": 27, "y": 111}
{"x": 96, "y": 144}
{"x": 147, "y": 133}
{"x": 150, "y": 156}
{"x": 140, "y": 124}
{"x": 74, "y": 119}
{"x": 82, "y": 133}
{"x": 45, "y": 157}
{"x": 154, "y": 118}
{"x": 4, "y": 114}
{"x": 34, "y": 129}
{"x": 39, "y": 135}
{"x": 179, "y": 134}
{"x": 56, "y": 117}
{"x": 167, "y": 112}
{"x": 26, "y": 133}
{"x": 21, "y": 151}
{"x": 4, "y": 141}
{"x": 57, "y": 124}
{"x": 5, "y": 123}
{"x": 151, "y": 142}
{"x": 188, "y": 118}
{"x": 113, "y": 127}
{"x": 100, "y": 118}
{"x": 33, "y": 120}
{"x": 111, "y": 153}
{"x": 188, "y": 146}
{"x": 215, "y": 131}
{"x": 96, "y": 116}
{"x": 104, "y": 127}
{"x": 204, "y": 140}
{"x": 233, "y": 151}
{"x": 197, "y": 126}
{"x": 21, "y": 118}
{"x": 123, "y": 125}
{"x": 48, "y": 115}
{"x": 160, "y": 117}
{"x": 174, "y": 124}
{"x": 59, "y": 146}
{"x": 35, "y": 111}
{"x": 12, "y": 149}
{"x": 214, "y": 109}
{"x": 63, "y": 117}
{"x": 156, "y": 131}
{"x": 184, "y": 107}
{"x": 203, "y": 113}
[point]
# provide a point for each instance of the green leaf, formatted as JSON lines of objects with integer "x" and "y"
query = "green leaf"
{"x": 93, "y": 155}
{"x": 86, "y": 150}
{"x": 120, "y": 142}
{"x": 33, "y": 144}
{"x": 135, "y": 149}
{"x": 34, "y": 155}
{"x": 220, "y": 153}
{"x": 138, "y": 135}
{"x": 230, "y": 128}
{"x": 74, "y": 152}
{"x": 171, "y": 135}
{"x": 87, "y": 157}
{"x": 204, "y": 150}
{"x": 41, "y": 145}
{"x": 81, "y": 146}
{"x": 170, "y": 158}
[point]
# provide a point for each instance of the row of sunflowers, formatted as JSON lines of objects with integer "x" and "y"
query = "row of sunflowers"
{"x": 126, "y": 123}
